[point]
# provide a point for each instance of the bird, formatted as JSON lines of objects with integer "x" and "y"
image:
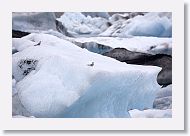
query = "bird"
{"x": 38, "y": 44}
{"x": 92, "y": 64}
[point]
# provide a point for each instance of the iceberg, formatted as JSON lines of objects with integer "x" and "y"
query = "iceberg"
{"x": 55, "y": 79}
{"x": 79, "y": 24}
{"x": 150, "y": 24}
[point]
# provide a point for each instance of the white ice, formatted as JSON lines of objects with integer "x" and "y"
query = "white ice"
{"x": 61, "y": 84}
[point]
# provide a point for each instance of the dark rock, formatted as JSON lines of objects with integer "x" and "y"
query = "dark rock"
{"x": 19, "y": 34}
{"x": 27, "y": 65}
{"x": 161, "y": 60}
{"x": 38, "y": 43}
{"x": 14, "y": 51}
{"x": 60, "y": 28}
{"x": 109, "y": 24}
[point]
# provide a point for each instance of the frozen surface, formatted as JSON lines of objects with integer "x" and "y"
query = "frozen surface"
{"x": 151, "y": 24}
{"x": 150, "y": 45}
{"x": 151, "y": 113}
{"x": 54, "y": 80}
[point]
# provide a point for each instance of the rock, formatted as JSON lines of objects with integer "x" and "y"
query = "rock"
{"x": 161, "y": 60}
{"x": 14, "y": 50}
{"x": 60, "y": 28}
{"x": 25, "y": 66}
{"x": 18, "y": 34}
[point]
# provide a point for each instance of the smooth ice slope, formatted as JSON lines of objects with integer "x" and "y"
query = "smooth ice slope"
{"x": 59, "y": 82}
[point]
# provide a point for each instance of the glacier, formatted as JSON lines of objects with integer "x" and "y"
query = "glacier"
{"x": 54, "y": 80}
